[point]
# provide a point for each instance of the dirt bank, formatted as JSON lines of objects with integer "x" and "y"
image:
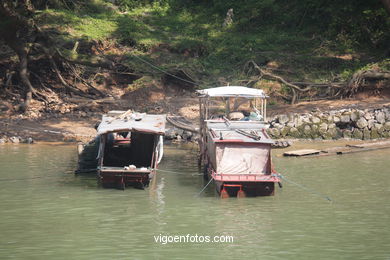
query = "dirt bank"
{"x": 78, "y": 125}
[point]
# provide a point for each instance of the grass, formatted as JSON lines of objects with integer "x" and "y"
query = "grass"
{"x": 197, "y": 42}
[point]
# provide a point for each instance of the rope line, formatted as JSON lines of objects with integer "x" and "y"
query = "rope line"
{"x": 211, "y": 179}
{"x": 312, "y": 191}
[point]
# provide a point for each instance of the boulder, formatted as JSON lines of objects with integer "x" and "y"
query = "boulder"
{"x": 368, "y": 116}
{"x": 290, "y": 124}
{"x": 362, "y": 123}
{"x": 379, "y": 128}
{"x": 298, "y": 121}
{"x": 375, "y": 134}
{"x": 187, "y": 135}
{"x": 14, "y": 139}
{"x": 357, "y": 134}
{"x": 387, "y": 126}
{"x": 347, "y": 133}
{"x": 370, "y": 123}
{"x": 315, "y": 120}
{"x": 380, "y": 117}
{"x": 345, "y": 118}
{"x": 354, "y": 116}
{"x": 366, "y": 134}
{"x": 307, "y": 130}
{"x": 294, "y": 132}
{"x": 284, "y": 131}
{"x": 170, "y": 134}
{"x": 2, "y": 141}
{"x": 336, "y": 119}
{"x": 274, "y": 132}
{"x": 385, "y": 134}
{"x": 282, "y": 119}
{"x": 332, "y": 133}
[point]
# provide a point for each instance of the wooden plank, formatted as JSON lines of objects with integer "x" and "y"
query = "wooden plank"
{"x": 302, "y": 152}
{"x": 369, "y": 145}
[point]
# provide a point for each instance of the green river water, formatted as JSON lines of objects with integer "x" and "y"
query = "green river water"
{"x": 46, "y": 212}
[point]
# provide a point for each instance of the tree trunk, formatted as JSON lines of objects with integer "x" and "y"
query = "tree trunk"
{"x": 23, "y": 73}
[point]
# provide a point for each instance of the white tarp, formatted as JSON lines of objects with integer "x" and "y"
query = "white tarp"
{"x": 242, "y": 159}
{"x": 233, "y": 91}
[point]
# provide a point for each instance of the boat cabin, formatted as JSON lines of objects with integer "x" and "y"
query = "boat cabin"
{"x": 130, "y": 148}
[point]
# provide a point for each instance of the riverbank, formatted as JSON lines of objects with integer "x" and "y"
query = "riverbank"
{"x": 327, "y": 119}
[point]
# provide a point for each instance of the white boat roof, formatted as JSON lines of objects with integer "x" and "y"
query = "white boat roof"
{"x": 233, "y": 91}
{"x": 117, "y": 121}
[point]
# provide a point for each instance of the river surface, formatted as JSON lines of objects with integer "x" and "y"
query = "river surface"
{"x": 47, "y": 212}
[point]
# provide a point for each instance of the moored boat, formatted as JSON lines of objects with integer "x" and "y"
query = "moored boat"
{"x": 130, "y": 148}
{"x": 234, "y": 146}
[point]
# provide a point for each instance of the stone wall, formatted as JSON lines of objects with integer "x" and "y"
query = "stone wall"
{"x": 345, "y": 123}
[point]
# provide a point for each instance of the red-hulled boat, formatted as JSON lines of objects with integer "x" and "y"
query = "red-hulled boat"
{"x": 234, "y": 146}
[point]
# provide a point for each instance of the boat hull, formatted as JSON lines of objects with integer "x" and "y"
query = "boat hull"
{"x": 121, "y": 180}
{"x": 229, "y": 185}
{"x": 244, "y": 189}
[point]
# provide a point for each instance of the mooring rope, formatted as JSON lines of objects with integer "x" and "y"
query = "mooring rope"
{"x": 312, "y": 191}
{"x": 211, "y": 179}
{"x": 160, "y": 170}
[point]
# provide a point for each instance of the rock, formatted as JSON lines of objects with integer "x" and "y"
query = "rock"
{"x": 332, "y": 125}
{"x": 278, "y": 126}
{"x": 306, "y": 120}
{"x": 2, "y": 141}
{"x": 347, "y": 133}
{"x": 362, "y": 123}
{"x": 179, "y": 131}
{"x": 357, "y": 134}
{"x": 29, "y": 140}
{"x": 380, "y": 117}
{"x": 374, "y": 133}
{"x": 367, "y": 115}
{"x": 385, "y": 134}
{"x": 387, "y": 126}
{"x": 345, "y": 118}
{"x": 284, "y": 131}
{"x": 294, "y": 132}
{"x": 366, "y": 134}
{"x": 387, "y": 114}
{"x": 170, "y": 134}
{"x": 282, "y": 119}
{"x": 179, "y": 138}
{"x": 307, "y": 130}
{"x": 370, "y": 123}
{"x": 298, "y": 121}
{"x": 332, "y": 133}
{"x": 379, "y": 128}
{"x": 315, "y": 120}
{"x": 14, "y": 139}
{"x": 354, "y": 116}
{"x": 290, "y": 124}
{"x": 187, "y": 135}
{"x": 274, "y": 132}
{"x": 336, "y": 119}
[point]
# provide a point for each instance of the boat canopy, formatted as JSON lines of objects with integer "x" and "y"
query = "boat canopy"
{"x": 127, "y": 121}
{"x": 233, "y": 91}
{"x": 239, "y": 158}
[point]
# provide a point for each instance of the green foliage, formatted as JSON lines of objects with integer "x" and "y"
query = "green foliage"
{"x": 304, "y": 36}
